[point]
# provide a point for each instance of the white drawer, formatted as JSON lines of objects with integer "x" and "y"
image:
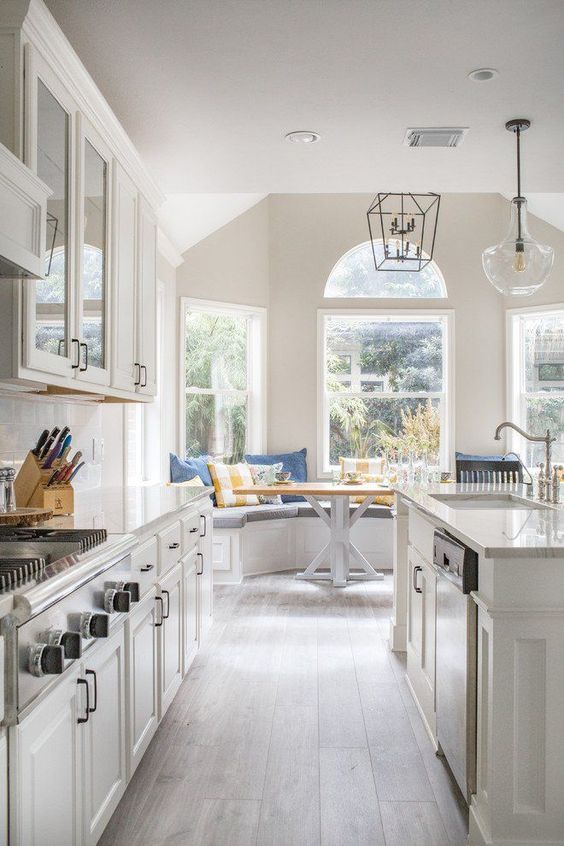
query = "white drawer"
{"x": 170, "y": 547}
{"x": 144, "y": 565}
{"x": 421, "y": 533}
{"x": 191, "y": 531}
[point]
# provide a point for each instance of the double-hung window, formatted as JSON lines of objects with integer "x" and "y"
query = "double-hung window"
{"x": 223, "y": 374}
{"x": 536, "y": 379}
{"x": 377, "y": 372}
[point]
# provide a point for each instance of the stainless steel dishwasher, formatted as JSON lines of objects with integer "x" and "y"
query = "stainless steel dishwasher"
{"x": 455, "y": 686}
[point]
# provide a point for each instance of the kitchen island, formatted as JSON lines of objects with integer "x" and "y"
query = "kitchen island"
{"x": 519, "y": 791}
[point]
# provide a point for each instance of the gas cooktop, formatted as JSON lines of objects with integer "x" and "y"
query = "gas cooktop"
{"x": 26, "y": 553}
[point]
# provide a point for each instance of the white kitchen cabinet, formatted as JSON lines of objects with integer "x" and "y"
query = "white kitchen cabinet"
{"x": 104, "y": 735}
{"x": 170, "y": 637}
{"x": 421, "y": 639}
{"x": 94, "y": 165}
{"x": 125, "y": 368}
{"x": 142, "y": 678}
{"x": 3, "y": 787}
{"x": 205, "y": 569}
{"x": 48, "y": 767}
{"x": 146, "y": 334}
{"x": 191, "y": 609}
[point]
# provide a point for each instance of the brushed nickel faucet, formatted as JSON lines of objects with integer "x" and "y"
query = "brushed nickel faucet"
{"x": 547, "y": 440}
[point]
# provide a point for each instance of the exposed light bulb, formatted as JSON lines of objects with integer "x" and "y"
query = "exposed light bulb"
{"x": 519, "y": 263}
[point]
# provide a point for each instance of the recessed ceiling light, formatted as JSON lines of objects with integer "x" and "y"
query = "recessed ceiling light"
{"x": 483, "y": 74}
{"x": 302, "y": 137}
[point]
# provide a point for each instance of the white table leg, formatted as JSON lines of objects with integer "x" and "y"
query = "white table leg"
{"x": 340, "y": 544}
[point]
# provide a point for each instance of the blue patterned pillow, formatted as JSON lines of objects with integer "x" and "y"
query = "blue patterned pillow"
{"x": 292, "y": 462}
{"x": 182, "y": 470}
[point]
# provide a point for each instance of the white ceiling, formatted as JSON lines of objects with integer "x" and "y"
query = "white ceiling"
{"x": 189, "y": 218}
{"x": 208, "y": 88}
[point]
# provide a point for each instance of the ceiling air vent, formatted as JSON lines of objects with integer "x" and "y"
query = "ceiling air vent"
{"x": 435, "y": 136}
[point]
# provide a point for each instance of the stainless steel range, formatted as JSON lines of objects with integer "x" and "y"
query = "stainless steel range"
{"x": 67, "y": 587}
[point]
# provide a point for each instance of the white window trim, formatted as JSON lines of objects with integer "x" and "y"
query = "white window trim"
{"x": 514, "y": 390}
{"x": 257, "y": 368}
{"x": 448, "y": 408}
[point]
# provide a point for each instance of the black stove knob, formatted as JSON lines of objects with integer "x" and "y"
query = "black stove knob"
{"x": 116, "y": 600}
{"x": 72, "y": 644}
{"x": 46, "y": 659}
{"x": 94, "y": 625}
{"x": 133, "y": 589}
{"x": 99, "y": 625}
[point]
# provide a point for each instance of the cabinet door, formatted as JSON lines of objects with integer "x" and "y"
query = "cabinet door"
{"x": 48, "y": 746}
{"x": 93, "y": 266}
{"x": 141, "y": 674}
{"x": 147, "y": 299}
{"x": 48, "y": 306}
{"x": 125, "y": 368}
{"x": 3, "y": 788}
{"x": 191, "y": 638}
{"x": 415, "y": 604}
{"x": 206, "y": 569}
{"x": 428, "y": 625}
{"x": 104, "y": 735}
{"x": 170, "y": 638}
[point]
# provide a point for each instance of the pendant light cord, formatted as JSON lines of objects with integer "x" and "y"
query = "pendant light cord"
{"x": 518, "y": 133}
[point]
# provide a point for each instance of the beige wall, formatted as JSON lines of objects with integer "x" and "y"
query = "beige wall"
{"x": 280, "y": 254}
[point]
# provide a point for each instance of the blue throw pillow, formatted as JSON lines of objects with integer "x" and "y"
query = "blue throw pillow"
{"x": 182, "y": 470}
{"x": 292, "y": 462}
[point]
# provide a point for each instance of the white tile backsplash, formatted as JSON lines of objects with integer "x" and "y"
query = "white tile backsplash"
{"x": 23, "y": 418}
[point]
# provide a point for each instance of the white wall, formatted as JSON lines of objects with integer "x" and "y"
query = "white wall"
{"x": 280, "y": 253}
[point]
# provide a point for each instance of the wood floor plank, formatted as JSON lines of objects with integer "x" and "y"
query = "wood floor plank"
{"x": 413, "y": 823}
{"x": 290, "y": 806}
{"x": 341, "y": 722}
{"x": 350, "y": 814}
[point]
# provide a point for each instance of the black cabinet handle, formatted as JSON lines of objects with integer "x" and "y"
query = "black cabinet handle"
{"x": 144, "y": 383}
{"x": 81, "y": 345}
{"x": 415, "y": 571}
{"x": 77, "y": 342}
{"x": 160, "y": 599}
{"x": 87, "y": 717}
{"x": 200, "y": 572}
{"x": 174, "y": 545}
{"x": 205, "y": 519}
{"x": 193, "y": 530}
{"x": 138, "y": 374}
{"x": 92, "y": 673}
{"x": 146, "y": 568}
{"x": 167, "y": 615}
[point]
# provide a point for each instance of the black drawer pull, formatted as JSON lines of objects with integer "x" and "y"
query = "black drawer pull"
{"x": 174, "y": 545}
{"x": 146, "y": 568}
{"x": 167, "y": 615}
{"x": 92, "y": 673}
{"x": 87, "y": 717}
{"x": 193, "y": 530}
{"x": 416, "y": 570}
{"x": 160, "y": 599}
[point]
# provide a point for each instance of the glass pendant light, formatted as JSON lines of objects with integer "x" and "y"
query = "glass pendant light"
{"x": 518, "y": 266}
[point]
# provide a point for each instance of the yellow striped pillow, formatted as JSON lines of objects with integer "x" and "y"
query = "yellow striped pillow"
{"x": 225, "y": 477}
{"x": 366, "y": 466}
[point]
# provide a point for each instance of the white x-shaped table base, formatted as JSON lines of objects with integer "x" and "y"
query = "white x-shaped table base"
{"x": 340, "y": 548}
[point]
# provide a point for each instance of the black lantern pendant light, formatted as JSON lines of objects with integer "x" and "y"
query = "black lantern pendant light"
{"x": 402, "y": 230}
{"x": 519, "y": 265}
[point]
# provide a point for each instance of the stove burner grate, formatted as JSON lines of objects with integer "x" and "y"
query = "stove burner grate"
{"x": 16, "y": 571}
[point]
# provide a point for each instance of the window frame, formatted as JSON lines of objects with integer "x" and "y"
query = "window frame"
{"x": 515, "y": 393}
{"x": 447, "y": 406}
{"x": 256, "y": 368}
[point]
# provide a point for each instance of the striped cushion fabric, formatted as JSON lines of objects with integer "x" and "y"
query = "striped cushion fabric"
{"x": 225, "y": 477}
{"x": 366, "y": 466}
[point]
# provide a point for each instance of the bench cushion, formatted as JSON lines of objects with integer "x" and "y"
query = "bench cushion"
{"x": 374, "y": 511}
{"x": 239, "y": 516}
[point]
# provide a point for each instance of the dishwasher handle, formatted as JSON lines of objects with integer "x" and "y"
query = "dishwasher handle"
{"x": 416, "y": 569}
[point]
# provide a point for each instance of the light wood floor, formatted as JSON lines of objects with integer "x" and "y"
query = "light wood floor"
{"x": 294, "y": 727}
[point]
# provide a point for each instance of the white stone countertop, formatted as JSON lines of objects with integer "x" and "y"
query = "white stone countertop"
{"x": 494, "y": 531}
{"x": 136, "y": 509}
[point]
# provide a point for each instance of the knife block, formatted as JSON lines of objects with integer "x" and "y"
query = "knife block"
{"x": 31, "y": 489}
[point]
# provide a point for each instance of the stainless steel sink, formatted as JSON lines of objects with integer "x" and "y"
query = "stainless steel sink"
{"x": 487, "y": 501}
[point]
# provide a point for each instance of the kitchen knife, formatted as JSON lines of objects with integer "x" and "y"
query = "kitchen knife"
{"x": 70, "y": 467}
{"x": 48, "y": 443}
{"x": 40, "y": 443}
{"x": 63, "y": 441}
{"x": 75, "y": 471}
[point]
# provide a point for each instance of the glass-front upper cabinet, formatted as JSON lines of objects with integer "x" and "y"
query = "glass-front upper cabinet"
{"x": 50, "y": 120}
{"x": 94, "y": 181}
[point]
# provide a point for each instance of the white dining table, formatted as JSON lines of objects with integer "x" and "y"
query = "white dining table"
{"x": 335, "y": 562}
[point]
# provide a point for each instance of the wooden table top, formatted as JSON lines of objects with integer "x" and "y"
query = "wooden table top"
{"x": 317, "y": 489}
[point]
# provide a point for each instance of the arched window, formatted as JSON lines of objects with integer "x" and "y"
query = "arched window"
{"x": 354, "y": 275}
